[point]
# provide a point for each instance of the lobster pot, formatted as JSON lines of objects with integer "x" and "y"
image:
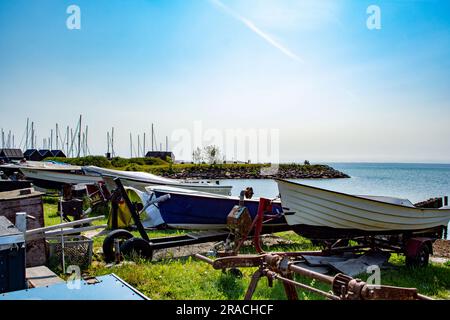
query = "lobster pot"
{"x": 12, "y": 257}
{"x": 77, "y": 251}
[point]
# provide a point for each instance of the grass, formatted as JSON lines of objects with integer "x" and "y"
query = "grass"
{"x": 188, "y": 278}
{"x": 166, "y": 168}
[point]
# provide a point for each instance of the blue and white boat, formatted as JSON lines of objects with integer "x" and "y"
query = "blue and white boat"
{"x": 189, "y": 209}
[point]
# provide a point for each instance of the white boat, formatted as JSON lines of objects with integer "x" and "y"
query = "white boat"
{"x": 327, "y": 212}
{"x": 141, "y": 180}
{"x": 51, "y": 175}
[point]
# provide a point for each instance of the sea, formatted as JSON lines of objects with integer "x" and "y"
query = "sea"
{"x": 413, "y": 181}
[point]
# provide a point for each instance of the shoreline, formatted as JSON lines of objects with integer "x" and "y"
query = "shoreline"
{"x": 256, "y": 172}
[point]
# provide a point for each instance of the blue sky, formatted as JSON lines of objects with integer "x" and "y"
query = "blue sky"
{"x": 336, "y": 90}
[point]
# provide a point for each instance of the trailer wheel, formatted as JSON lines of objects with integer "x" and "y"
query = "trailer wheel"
{"x": 108, "y": 243}
{"x": 137, "y": 246}
{"x": 421, "y": 258}
{"x": 235, "y": 272}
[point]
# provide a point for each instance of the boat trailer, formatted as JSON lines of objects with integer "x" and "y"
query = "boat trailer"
{"x": 283, "y": 266}
{"x": 121, "y": 242}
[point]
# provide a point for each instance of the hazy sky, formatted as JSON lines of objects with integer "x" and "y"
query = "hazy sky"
{"x": 336, "y": 90}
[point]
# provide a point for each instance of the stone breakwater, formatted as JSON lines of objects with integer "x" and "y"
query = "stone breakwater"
{"x": 255, "y": 172}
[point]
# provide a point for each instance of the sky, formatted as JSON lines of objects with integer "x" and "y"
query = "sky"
{"x": 330, "y": 88}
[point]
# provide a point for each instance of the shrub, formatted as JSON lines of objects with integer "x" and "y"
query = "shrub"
{"x": 119, "y": 162}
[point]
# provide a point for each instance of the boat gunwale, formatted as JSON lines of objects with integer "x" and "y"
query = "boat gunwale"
{"x": 174, "y": 184}
{"x": 359, "y": 198}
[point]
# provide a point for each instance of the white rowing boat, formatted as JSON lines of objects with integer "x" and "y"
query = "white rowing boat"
{"x": 49, "y": 174}
{"x": 141, "y": 180}
{"x": 319, "y": 208}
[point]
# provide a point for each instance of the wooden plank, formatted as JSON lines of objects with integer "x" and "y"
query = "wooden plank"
{"x": 15, "y": 194}
{"x": 36, "y": 254}
{"x": 41, "y": 276}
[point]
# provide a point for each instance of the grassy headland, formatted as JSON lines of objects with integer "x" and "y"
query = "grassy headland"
{"x": 209, "y": 171}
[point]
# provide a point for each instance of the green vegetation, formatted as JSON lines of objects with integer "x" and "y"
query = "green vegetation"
{"x": 188, "y": 278}
{"x": 203, "y": 170}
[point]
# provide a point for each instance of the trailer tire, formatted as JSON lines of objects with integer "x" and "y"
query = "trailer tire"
{"x": 136, "y": 246}
{"x": 108, "y": 243}
{"x": 421, "y": 259}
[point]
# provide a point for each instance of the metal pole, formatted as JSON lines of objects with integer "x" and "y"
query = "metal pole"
{"x": 57, "y": 137}
{"x": 86, "y": 141}
{"x": 21, "y": 221}
{"x": 139, "y": 147}
{"x": 112, "y": 142}
{"x": 143, "y": 147}
{"x": 311, "y": 274}
{"x": 26, "y": 139}
{"x": 79, "y": 138}
{"x": 152, "y": 137}
{"x": 107, "y": 141}
{"x": 131, "y": 146}
{"x": 32, "y": 135}
{"x": 62, "y": 229}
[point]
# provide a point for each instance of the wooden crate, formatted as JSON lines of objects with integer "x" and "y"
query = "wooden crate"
{"x": 30, "y": 202}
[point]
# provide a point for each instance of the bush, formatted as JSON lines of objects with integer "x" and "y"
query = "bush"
{"x": 98, "y": 161}
{"x": 119, "y": 162}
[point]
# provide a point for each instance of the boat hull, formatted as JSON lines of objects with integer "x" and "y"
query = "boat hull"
{"x": 141, "y": 184}
{"x": 346, "y": 214}
{"x": 206, "y": 212}
{"x": 51, "y": 179}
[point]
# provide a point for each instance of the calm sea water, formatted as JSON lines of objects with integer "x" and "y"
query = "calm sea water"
{"x": 416, "y": 182}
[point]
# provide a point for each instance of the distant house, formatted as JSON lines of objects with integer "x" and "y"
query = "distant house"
{"x": 45, "y": 153}
{"x": 161, "y": 155}
{"x": 8, "y": 155}
{"x": 37, "y": 155}
{"x": 32, "y": 155}
{"x": 58, "y": 154}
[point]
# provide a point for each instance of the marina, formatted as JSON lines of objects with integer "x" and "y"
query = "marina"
{"x": 225, "y": 155}
{"x": 224, "y": 223}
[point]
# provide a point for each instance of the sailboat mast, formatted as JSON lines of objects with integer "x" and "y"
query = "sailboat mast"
{"x": 152, "y": 137}
{"x": 79, "y": 137}
{"x": 57, "y": 137}
{"x": 32, "y": 135}
{"x": 26, "y": 139}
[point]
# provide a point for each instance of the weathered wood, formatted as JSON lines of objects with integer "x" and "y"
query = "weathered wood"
{"x": 16, "y": 194}
{"x": 12, "y": 202}
{"x": 41, "y": 276}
